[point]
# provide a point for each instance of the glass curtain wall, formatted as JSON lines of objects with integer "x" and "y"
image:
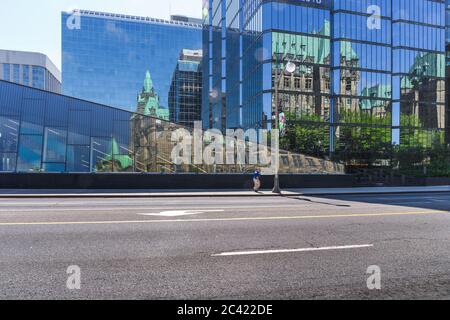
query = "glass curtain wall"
{"x": 362, "y": 83}
{"x": 47, "y": 132}
{"x": 419, "y": 109}
{"x": 368, "y": 87}
{"x": 301, "y": 35}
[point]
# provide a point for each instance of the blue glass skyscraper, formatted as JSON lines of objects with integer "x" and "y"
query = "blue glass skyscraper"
{"x": 186, "y": 90}
{"x": 105, "y": 57}
{"x": 369, "y": 76}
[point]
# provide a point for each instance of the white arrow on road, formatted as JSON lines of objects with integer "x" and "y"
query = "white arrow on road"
{"x": 178, "y": 213}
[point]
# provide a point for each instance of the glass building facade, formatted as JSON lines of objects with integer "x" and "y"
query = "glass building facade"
{"x": 447, "y": 61}
{"x": 369, "y": 85}
{"x": 46, "y": 132}
{"x": 185, "y": 94}
{"x": 105, "y": 56}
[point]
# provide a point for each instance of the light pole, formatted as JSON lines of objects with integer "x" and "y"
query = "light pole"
{"x": 290, "y": 69}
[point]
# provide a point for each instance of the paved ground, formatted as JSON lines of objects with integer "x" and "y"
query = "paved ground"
{"x": 133, "y": 248}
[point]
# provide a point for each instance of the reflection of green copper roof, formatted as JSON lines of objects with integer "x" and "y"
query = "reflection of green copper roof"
{"x": 124, "y": 160}
{"x": 148, "y": 100}
{"x": 378, "y": 91}
{"x": 162, "y": 113}
{"x": 429, "y": 64}
{"x": 347, "y": 51}
{"x": 148, "y": 83}
{"x": 324, "y": 48}
{"x": 152, "y": 103}
{"x": 326, "y": 30}
{"x": 425, "y": 65}
{"x": 406, "y": 83}
{"x": 306, "y": 46}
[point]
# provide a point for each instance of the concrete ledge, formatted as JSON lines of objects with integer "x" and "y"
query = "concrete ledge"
{"x": 165, "y": 181}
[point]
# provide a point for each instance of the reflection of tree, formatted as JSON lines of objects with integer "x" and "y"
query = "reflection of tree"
{"x": 310, "y": 136}
{"x": 421, "y": 147}
{"x": 363, "y": 141}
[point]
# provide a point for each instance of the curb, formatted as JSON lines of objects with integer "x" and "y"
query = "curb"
{"x": 207, "y": 195}
{"x": 139, "y": 195}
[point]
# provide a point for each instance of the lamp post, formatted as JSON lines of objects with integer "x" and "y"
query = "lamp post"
{"x": 290, "y": 69}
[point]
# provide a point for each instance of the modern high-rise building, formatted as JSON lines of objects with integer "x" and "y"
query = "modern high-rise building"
{"x": 185, "y": 95}
{"x": 369, "y": 76}
{"x": 105, "y": 56}
{"x": 30, "y": 69}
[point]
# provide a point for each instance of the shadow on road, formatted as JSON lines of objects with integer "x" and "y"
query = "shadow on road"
{"x": 318, "y": 202}
{"x": 431, "y": 201}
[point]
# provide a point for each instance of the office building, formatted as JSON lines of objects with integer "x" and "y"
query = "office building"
{"x": 186, "y": 90}
{"x": 106, "y": 56}
{"x": 30, "y": 69}
{"x": 368, "y": 81}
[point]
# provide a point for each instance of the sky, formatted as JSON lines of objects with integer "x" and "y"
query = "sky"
{"x": 35, "y": 25}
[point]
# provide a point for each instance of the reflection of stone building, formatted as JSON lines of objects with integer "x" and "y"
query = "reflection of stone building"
{"x": 151, "y": 131}
{"x": 376, "y": 107}
{"x": 148, "y": 101}
{"x": 145, "y": 129}
{"x": 350, "y": 77}
{"x": 306, "y": 91}
{"x": 143, "y": 138}
{"x": 422, "y": 94}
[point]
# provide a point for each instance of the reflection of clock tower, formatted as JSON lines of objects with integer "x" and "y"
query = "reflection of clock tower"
{"x": 148, "y": 101}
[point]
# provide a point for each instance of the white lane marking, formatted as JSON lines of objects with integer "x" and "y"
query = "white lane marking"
{"x": 120, "y": 208}
{"x": 178, "y": 213}
{"x": 112, "y": 222}
{"x": 255, "y": 252}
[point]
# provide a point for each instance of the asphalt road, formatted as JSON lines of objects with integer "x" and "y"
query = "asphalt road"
{"x": 227, "y": 248}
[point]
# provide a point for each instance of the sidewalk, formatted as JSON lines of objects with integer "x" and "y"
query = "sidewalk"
{"x": 77, "y": 193}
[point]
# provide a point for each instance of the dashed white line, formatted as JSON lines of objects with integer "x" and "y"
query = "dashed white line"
{"x": 255, "y": 252}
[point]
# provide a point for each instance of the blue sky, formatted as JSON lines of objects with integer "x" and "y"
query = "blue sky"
{"x": 34, "y": 25}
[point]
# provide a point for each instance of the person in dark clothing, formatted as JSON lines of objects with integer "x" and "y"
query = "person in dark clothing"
{"x": 256, "y": 180}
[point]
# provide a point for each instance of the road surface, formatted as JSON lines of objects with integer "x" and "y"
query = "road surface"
{"x": 226, "y": 248}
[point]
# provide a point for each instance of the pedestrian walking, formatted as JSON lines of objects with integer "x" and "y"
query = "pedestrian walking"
{"x": 256, "y": 180}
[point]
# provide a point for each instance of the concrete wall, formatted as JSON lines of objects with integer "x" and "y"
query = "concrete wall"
{"x": 165, "y": 181}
